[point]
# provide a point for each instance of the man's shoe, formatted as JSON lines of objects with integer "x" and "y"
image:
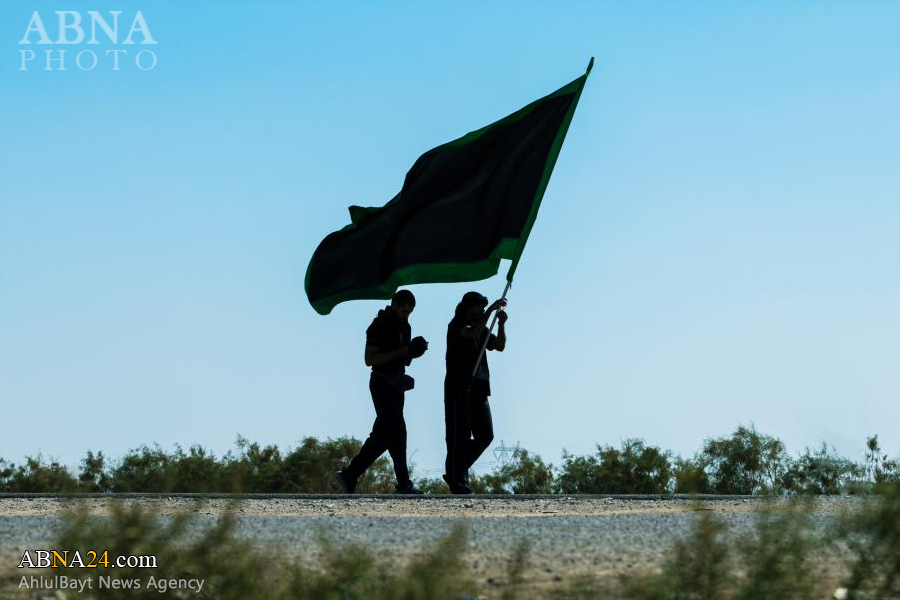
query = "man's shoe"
{"x": 348, "y": 485}
{"x": 409, "y": 489}
{"x": 456, "y": 488}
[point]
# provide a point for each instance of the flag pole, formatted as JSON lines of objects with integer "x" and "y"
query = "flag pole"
{"x": 515, "y": 259}
{"x": 488, "y": 337}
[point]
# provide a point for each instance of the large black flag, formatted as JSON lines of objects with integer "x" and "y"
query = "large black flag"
{"x": 463, "y": 206}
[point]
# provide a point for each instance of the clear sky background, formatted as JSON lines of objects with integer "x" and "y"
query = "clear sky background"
{"x": 719, "y": 243}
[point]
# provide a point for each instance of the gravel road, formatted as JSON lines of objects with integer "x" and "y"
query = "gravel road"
{"x": 568, "y": 536}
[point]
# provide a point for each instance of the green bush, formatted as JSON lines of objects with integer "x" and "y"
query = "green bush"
{"x": 151, "y": 469}
{"x": 144, "y": 469}
{"x": 432, "y": 485}
{"x": 746, "y": 462}
{"x": 690, "y": 477}
{"x": 821, "y": 472}
{"x": 524, "y": 474}
{"x": 93, "y": 476}
{"x": 879, "y": 468}
{"x": 634, "y": 469}
{"x": 310, "y": 468}
{"x": 36, "y": 476}
{"x": 258, "y": 469}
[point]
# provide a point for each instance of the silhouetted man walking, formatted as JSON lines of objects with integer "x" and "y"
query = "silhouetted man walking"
{"x": 389, "y": 350}
{"x": 466, "y": 410}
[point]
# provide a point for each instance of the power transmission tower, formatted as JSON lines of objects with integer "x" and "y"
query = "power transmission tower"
{"x": 504, "y": 453}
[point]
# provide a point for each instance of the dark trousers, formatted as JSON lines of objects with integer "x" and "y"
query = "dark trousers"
{"x": 388, "y": 432}
{"x": 470, "y": 430}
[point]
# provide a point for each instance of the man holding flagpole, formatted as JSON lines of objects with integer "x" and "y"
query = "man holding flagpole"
{"x": 467, "y": 413}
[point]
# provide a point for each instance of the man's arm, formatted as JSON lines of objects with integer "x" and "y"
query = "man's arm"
{"x": 500, "y": 343}
{"x": 474, "y": 330}
{"x": 374, "y": 358}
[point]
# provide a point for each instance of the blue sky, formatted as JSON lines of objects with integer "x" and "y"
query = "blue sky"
{"x": 719, "y": 243}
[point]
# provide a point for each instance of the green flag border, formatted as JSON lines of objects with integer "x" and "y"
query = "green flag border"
{"x": 548, "y": 170}
{"x": 423, "y": 273}
{"x": 506, "y": 248}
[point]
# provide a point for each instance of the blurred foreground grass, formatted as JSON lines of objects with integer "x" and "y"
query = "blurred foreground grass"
{"x": 778, "y": 560}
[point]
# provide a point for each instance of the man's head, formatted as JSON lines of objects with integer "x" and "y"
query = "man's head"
{"x": 403, "y": 303}
{"x": 471, "y": 307}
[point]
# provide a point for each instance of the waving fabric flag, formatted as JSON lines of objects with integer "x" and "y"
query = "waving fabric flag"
{"x": 463, "y": 207}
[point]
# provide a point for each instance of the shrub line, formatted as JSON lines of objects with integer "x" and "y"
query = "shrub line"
{"x": 257, "y": 496}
